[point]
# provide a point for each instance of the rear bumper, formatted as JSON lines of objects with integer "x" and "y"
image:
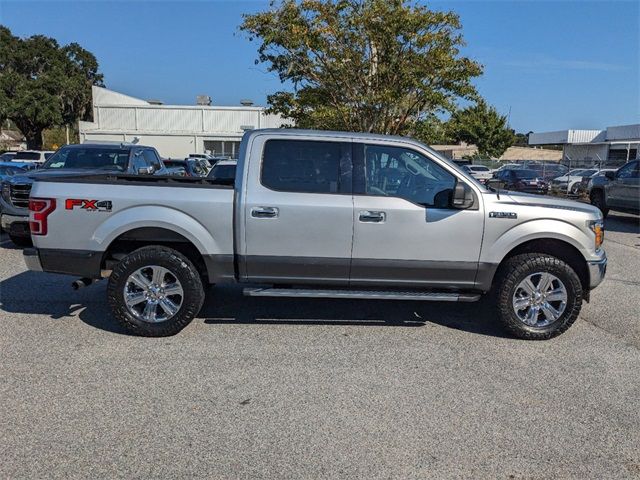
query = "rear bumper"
{"x": 597, "y": 271}
{"x": 81, "y": 263}
{"x": 32, "y": 259}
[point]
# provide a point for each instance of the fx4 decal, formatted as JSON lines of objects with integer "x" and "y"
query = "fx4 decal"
{"x": 89, "y": 205}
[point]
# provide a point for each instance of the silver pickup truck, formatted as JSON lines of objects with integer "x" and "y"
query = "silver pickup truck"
{"x": 320, "y": 214}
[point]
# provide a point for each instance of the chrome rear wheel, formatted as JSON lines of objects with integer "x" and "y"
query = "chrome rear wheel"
{"x": 153, "y": 294}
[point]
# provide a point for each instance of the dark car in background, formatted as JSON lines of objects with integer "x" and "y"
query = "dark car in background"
{"x": 520, "y": 180}
{"x": 224, "y": 172}
{"x": 617, "y": 190}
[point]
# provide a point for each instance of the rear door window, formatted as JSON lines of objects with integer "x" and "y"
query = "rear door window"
{"x": 304, "y": 166}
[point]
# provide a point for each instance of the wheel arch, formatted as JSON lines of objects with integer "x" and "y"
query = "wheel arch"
{"x": 555, "y": 247}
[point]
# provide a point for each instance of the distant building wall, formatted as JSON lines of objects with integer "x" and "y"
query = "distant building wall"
{"x": 174, "y": 130}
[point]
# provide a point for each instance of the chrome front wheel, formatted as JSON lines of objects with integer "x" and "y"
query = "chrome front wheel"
{"x": 153, "y": 294}
{"x": 540, "y": 299}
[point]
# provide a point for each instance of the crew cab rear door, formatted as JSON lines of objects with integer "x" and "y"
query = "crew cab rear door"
{"x": 298, "y": 211}
{"x": 406, "y": 232}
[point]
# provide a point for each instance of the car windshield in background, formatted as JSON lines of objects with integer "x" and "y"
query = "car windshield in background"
{"x": 90, "y": 158}
{"x": 224, "y": 172}
{"x": 27, "y": 156}
{"x": 526, "y": 174}
{"x": 479, "y": 168}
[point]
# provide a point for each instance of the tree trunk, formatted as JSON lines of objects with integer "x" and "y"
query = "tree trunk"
{"x": 34, "y": 139}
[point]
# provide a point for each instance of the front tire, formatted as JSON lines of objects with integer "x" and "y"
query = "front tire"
{"x": 538, "y": 296}
{"x": 155, "y": 292}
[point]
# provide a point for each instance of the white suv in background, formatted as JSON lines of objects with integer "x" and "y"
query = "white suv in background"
{"x": 481, "y": 173}
{"x": 34, "y": 156}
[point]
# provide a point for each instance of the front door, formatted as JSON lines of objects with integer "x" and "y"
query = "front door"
{"x": 298, "y": 212}
{"x": 624, "y": 190}
{"x": 405, "y": 231}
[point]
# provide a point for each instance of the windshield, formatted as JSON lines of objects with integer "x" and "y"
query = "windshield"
{"x": 479, "y": 168}
{"x": 107, "y": 158}
{"x": 223, "y": 171}
{"x": 526, "y": 173}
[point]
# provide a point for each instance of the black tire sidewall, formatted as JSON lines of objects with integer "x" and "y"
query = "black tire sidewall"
{"x": 180, "y": 267}
{"x": 516, "y": 270}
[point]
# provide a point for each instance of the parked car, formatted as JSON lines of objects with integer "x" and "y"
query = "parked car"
{"x": 72, "y": 160}
{"x": 36, "y": 156}
{"x": 548, "y": 171}
{"x": 507, "y": 166}
{"x": 193, "y": 167}
{"x": 312, "y": 214}
{"x": 619, "y": 190}
{"x": 7, "y": 156}
{"x": 521, "y": 180}
{"x": 479, "y": 172}
{"x": 224, "y": 172}
{"x": 573, "y": 182}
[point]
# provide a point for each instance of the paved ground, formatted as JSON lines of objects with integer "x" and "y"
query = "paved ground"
{"x": 267, "y": 388}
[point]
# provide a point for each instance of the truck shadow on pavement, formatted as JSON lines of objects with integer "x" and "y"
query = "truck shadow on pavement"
{"x": 51, "y": 296}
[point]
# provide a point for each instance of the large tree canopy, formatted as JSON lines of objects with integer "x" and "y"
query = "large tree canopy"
{"x": 482, "y": 126}
{"x": 43, "y": 84}
{"x": 363, "y": 65}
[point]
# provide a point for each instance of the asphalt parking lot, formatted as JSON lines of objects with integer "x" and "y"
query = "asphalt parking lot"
{"x": 272, "y": 388}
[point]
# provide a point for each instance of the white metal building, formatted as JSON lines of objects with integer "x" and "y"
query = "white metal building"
{"x": 174, "y": 130}
{"x": 612, "y": 146}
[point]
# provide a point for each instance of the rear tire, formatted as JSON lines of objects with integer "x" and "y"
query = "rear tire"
{"x": 538, "y": 296}
{"x": 21, "y": 241}
{"x": 597, "y": 200}
{"x": 137, "y": 296}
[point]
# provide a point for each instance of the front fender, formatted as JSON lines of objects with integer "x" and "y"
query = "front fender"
{"x": 154, "y": 216}
{"x": 504, "y": 242}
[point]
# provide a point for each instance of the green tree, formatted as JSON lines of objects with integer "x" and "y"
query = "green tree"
{"x": 363, "y": 65}
{"x": 483, "y": 126}
{"x": 43, "y": 84}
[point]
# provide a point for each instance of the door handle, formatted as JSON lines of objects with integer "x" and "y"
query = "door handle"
{"x": 264, "y": 212}
{"x": 372, "y": 217}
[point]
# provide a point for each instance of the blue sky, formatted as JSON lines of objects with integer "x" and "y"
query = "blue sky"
{"x": 552, "y": 64}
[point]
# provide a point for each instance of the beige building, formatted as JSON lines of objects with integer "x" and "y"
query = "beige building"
{"x": 174, "y": 130}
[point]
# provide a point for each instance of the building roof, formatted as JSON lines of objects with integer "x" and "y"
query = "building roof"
{"x": 564, "y": 137}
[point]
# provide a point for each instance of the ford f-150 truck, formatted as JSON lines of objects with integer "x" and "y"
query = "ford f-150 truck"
{"x": 320, "y": 214}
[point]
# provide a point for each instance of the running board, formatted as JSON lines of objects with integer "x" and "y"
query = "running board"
{"x": 362, "y": 294}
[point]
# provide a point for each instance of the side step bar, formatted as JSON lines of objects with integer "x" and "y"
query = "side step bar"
{"x": 362, "y": 294}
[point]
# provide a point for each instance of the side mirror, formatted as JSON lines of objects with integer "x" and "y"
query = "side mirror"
{"x": 145, "y": 171}
{"x": 610, "y": 175}
{"x": 493, "y": 183}
{"x": 462, "y": 196}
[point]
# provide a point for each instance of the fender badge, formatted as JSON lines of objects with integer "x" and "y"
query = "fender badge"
{"x": 503, "y": 215}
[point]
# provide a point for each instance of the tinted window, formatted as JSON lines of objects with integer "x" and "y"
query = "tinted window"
{"x": 151, "y": 158}
{"x": 89, "y": 158}
{"x": 525, "y": 173}
{"x": 628, "y": 171}
{"x": 223, "y": 173}
{"x": 27, "y": 156}
{"x": 302, "y": 166}
{"x": 405, "y": 173}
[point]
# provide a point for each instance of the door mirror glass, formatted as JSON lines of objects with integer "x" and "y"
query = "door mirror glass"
{"x": 462, "y": 196}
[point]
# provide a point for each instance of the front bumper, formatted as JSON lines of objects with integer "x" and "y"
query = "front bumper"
{"x": 32, "y": 259}
{"x": 597, "y": 271}
{"x": 17, "y": 225}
